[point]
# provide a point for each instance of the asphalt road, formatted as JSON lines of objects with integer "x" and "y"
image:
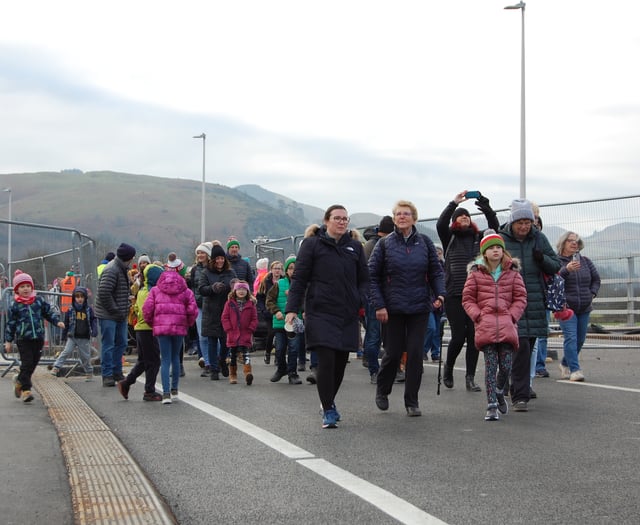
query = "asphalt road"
{"x": 258, "y": 454}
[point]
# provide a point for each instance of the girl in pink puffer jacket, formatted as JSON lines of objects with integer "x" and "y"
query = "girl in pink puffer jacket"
{"x": 170, "y": 309}
{"x": 495, "y": 298}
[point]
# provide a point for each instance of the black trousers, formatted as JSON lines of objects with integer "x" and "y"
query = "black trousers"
{"x": 329, "y": 374}
{"x": 404, "y": 333}
{"x": 30, "y": 352}
{"x": 462, "y": 330}
{"x": 148, "y": 361}
{"x": 520, "y": 371}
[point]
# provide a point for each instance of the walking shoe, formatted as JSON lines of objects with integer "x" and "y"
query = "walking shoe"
{"x": 492, "y": 414}
{"x": 267, "y": 358}
{"x": 294, "y": 379}
{"x": 302, "y": 368}
{"x": 224, "y": 368}
{"x": 206, "y": 371}
{"x": 565, "y": 373}
{"x": 542, "y": 373}
{"x": 470, "y": 384}
{"x": 108, "y": 381}
{"x": 413, "y": 412}
{"x": 166, "y": 399}
{"x": 277, "y": 376}
{"x": 55, "y": 371}
{"x": 311, "y": 378}
{"x": 435, "y": 358}
{"x": 333, "y": 407}
{"x": 520, "y": 406}
{"x": 382, "y": 402}
{"x": 17, "y": 387}
{"x": 576, "y": 376}
{"x": 400, "y": 377}
{"x": 27, "y": 396}
{"x": 152, "y": 396}
{"x": 532, "y": 394}
{"x": 503, "y": 407}
{"x": 174, "y": 393}
{"x": 201, "y": 362}
{"x": 374, "y": 378}
{"x": 123, "y": 388}
{"x": 330, "y": 419}
{"x": 214, "y": 375}
{"x": 447, "y": 377}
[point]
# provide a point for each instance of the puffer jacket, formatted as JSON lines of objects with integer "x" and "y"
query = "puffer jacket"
{"x": 582, "y": 286}
{"x": 170, "y": 308}
{"x": 495, "y": 306}
{"x": 26, "y": 321}
{"x": 238, "y": 324}
{"x": 405, "y": 275}
{"x": 213, "y": 302}
{"x": 534, "y": 321}
{"x": 331, "y": 281}
{"x": 112, "y": 297}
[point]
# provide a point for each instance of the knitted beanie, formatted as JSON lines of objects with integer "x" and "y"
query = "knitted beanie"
{"x": 144, "y": 258}
{"x": 521, "y": 209}
{"x": 241, "y": 284}
{"x": 19, "y": 277}
{"x": 491, "y": 238}
{"x": 386, "y": 224}
{"x": 232, "y": 242}
{"x": 217, "y": 251}
{"x": 125, "y": 252}
{"x": 458, "y": 212}
{"x": 262, "y": 264}
{"x": 204, "y": 247}
{"x": 290, "y": 260}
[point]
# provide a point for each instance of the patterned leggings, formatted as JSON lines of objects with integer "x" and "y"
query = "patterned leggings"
{"x": 241, "y": 352}
{"x": 496, "y": 356}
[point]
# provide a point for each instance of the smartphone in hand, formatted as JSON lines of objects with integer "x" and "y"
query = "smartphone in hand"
{"x": 472, "y": 194}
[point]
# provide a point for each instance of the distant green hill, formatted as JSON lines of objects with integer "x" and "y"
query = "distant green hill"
{"x": 156, "y": 215}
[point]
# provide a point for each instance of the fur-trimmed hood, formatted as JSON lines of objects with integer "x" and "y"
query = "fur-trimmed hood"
{"x": 313, "y": 229}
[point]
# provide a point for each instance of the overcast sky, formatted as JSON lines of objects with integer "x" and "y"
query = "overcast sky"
{"x": 356, "y": 102}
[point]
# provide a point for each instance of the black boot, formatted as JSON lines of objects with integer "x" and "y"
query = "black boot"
{"x": 447, "y": 377}
{"x": 471, "y": 386}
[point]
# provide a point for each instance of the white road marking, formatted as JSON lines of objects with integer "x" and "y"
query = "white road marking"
{"x": 596, "y": 385}
{"x": 396, "y": 507}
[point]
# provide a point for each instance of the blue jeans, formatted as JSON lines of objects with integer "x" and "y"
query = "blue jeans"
{"x": 170, "y": 347}
{"x": 541, "y": 358}
{"x": 204, "y": 341}
{"x": 575, "y": 332}
{"x": 284, "y": 345}
{"x": 114, "y": 339}
{"x": 372, "y": 339}
{"x": 217, "y": 351}
{"x": 432, "y": 336}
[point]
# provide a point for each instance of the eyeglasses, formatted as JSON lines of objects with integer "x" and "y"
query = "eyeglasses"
{"x": 572, "y": 240}
{"x": 335, "y": 218}
{"x": 403, "y": 214}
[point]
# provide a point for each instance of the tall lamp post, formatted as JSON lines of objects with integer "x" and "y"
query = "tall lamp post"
{"x": 202, "y": 221}
{"x": 9, "y": 275}
{"x": 523, "y": 150}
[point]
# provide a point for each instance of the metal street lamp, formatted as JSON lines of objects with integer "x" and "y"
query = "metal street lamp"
{"x": 9, "y": 275}
{"x": 202, "y": 221}
{"x": 523, "y": 150}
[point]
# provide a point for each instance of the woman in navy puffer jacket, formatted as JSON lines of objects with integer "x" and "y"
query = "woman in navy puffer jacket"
{"x": 405, "y": 276}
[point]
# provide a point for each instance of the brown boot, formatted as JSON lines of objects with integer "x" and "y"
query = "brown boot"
{"x": 233, "y": 374}
{"x": 248, "y": 376}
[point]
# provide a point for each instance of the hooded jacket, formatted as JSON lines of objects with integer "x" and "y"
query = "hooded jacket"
{"x": 495, "y": 306}
{"x": 170, "y": 308}
{"x": 239, "y": 324}
{"x": 80, "y": 312}
{"x": 26, "y": 321}
{"x": 330, "y": 284}
{"x": 404, "y": 274}
{"x": 534, "y": 321}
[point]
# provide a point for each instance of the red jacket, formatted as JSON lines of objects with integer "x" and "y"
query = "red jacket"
{"x": 495, "y": 306}
{"x": 239, "y": 325}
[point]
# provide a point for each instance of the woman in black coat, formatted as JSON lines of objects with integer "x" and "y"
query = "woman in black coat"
{"x": 331, "y": 279}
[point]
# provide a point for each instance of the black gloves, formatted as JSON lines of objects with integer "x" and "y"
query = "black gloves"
{"x": 483, "y": 205}
{"x": 538, "y": 256}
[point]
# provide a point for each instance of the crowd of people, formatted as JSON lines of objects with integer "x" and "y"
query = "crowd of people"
{"x": 398, "y": 285}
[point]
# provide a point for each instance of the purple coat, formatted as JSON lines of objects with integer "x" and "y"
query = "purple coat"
{"x": 170, "y": 308}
